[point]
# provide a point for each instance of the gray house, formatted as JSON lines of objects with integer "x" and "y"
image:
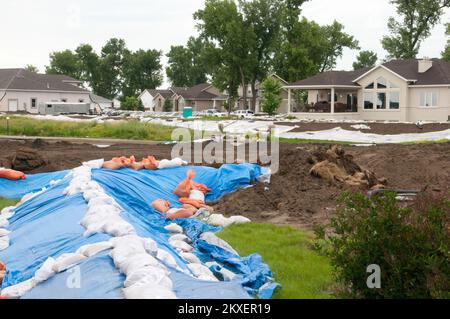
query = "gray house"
{"x": 23, "y": 91}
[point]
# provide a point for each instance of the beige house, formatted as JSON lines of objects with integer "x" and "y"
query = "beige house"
{"x": 400, "y": 90}
{"x": 200, "y": 97}
{"x": 23, "y": 91}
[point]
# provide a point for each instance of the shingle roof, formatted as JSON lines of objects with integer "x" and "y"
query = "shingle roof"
{"x": 438, "y": 74}
{"x": 99, "y": 99}
{"x": 196, "y": 92}
{"x": 21, "y": 79}
{"x": 165, "y": 93}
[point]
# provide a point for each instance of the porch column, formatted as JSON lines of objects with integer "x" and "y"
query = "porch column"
{"x": 289, "y": 102}
{"x": 332, "y": 101}
{"x": 214, "y": 104}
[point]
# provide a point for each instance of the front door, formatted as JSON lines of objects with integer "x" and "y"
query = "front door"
{"x": 13, "y": 105}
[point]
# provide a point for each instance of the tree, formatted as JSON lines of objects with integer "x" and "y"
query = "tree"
{"x": 167, "y": 106}
{"x": 131, "y": 103}
{"x": 271, "y": 95}
{"x": 418, "y": 17}
{"x": 365, "y": 59}
{"x": 64, "y": 62}
{"x": 88, "y": 61}
{"x": 230, "y": 40}
{"x": 141, "y": 70}
{"x": 446, "y": 53}
{"x": 264, "y": 18}
{"x": 32, "y": 68}
{"x": 186, "y": 66}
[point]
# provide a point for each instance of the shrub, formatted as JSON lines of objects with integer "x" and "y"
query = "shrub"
{"x": 410, "y": 244}
{"x": 271, "y": 95}
{"x": 132, "y": 103}
{"x": 167, "y": 106}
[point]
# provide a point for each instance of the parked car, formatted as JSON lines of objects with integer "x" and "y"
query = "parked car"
{"x": 211, "y": 112}
{"x": 243, "y": 113}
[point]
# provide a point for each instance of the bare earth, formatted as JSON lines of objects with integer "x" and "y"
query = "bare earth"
{"x": 294, "y": 196}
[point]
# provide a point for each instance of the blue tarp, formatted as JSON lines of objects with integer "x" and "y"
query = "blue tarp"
{"x": 48, "y": 226}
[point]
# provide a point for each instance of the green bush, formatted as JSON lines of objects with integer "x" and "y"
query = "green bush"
{"x": 410, "y": 244}
{"x": 132, "y": 103}
{"x": 271, "y": 95}
{"x": 168, "y": 106}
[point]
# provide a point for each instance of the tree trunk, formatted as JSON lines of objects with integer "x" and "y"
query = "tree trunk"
{"x": 244, "y": 88}
{"x": 254, "y": 96}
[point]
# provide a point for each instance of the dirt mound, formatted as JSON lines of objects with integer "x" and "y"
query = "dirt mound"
{"x": 26, "y": 160}
{"x": 335, "y": 166}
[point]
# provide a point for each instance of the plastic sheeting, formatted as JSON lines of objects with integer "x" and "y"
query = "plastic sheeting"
{"x": 48, "y": 226}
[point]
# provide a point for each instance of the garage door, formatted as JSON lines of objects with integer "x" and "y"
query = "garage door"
{"x": 12, "y": 105}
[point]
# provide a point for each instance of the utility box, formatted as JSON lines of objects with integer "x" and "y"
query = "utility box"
{"x": 56, "y": 108}
{"x": 187, "y": 112}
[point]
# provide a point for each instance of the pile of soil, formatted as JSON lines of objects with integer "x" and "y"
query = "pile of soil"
{"x": 25, "y": 160}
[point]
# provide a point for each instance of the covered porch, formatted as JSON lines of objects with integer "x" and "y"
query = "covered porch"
{"x": 323, "y": 100}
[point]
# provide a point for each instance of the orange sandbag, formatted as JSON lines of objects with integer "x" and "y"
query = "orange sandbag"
{"x": 200, "y": 187}
{"x": 112, "y": 165}
{"x": 11, "y": 174}
{"x": 184, "y": 188}
{"x": 193, "y": 202}
{"x": 181, "y": 213}
{"x": 2, "y": 266}
{"x": 150, "y": 163}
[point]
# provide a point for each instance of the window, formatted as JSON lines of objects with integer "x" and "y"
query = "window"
{"x": 381, "y": 101}
{"x": 394, "y": 100}
{"x": 33, "y": 103}
{"x": 428, "y": 99}
{"x": 368, "y": 101}
{"x": 81, "y": 100}
{"x": 381, "y": 83}
{"x": 370, "y": 86}
{"x": 64, "y": 100}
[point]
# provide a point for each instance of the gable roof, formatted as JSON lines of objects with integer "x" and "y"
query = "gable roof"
{"x": 99, "y": 99}
{"x": 22, "y": 79}
{"x": 408, "y": 70}
{"x": 197, "y": 92}
{"x": 164, "y": 93}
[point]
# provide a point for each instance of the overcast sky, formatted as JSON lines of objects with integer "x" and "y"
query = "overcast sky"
{"x": 33, "y": 29}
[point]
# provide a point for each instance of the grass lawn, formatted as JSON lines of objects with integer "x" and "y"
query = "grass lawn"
{"x": 132, "y": 129}
{"x": 301, "y": 271}
{"x": 6, "y": 202}
{"x": 303, "y": 141}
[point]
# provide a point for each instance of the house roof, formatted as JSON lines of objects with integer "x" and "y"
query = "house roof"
{"x": 408, "y": 69}
{"x": 197, "y": 92}
{"x": 22, "y": 79}
{"x": 164, "y": 93}
{"x": 99, "y": 99}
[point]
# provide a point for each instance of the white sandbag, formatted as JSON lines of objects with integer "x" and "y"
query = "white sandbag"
{"x": 226, "y": 274}
{"x": 93, "y": 249}
{"x": 118, "y": 228}
{"x": 46, "y": 271}
{"x": 103, "y": 200}
{"x": 65, "y": 261}
{"x": 93, "y": 228}
{"x": 166, "y": 257}
{"x": 197, "y": 195}
{"x": 218, "y": 220}
{"x": 150, "y": 246}
{"x": 7, "y": 212}
{"x": 236, "y": 220}
{"x": 181, "y": 237}
{"x": 3, "y": 222}
{"x": 147, "y": 275}
{"x": 190, "y": 258}
{"x": 136, "y": 262}
{"x": 93, "y": 218}
{"x": 4, "y": 232}
{"x": 103, "y": 209}
{"x": 148, "y": 291}
{"x": 176, "y": 162}
{"x": 91, "y": 194}
{"x": 4, "y": 242}
{"x": 212, "y": 239}
{"x": 174, "y": 228}
{"x": 93, "y": 185}
{"x": 18, "y": 290}
{"x": 181, "y": 245}
{"x": 94, "y": 164}
{"x": 123, "y": 250}
{"x": 202, "y": 272}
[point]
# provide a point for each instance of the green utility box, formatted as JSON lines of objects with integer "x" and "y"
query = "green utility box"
{"x": 187, "y": 112}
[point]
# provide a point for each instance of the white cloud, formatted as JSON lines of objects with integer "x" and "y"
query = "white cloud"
{"x": 36, "y": 28}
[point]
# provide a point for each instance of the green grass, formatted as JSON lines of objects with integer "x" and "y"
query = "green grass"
{"x": 303, "y": 273}
{"x": 133, "y": 129}
{"x": 427, "y": 142}
{"x": 6, "y": 202}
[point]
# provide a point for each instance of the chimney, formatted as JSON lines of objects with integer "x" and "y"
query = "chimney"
{"x": 425, "y": 64}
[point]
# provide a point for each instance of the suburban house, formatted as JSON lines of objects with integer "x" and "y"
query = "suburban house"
{"x": 200, "y": 97}
{"x": 399, "y": 90}
{"x": 23, "y": 91}
{"x": 259, "y": 96}
{"x": 100, "y": 103}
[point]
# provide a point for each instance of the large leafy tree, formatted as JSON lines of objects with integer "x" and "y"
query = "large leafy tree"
{"x": 32, "y": 68}
{"x": 365, "y": 59}
{"x": 446, "y": 53}
{"x": 64, "y": 62}
{"x": 186, "y": 67}
{"x": 230, "y": 41}
{"x": 88, "y": 61}
{"x": 141, "y": 70}
{"x": 417, "y": 19}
